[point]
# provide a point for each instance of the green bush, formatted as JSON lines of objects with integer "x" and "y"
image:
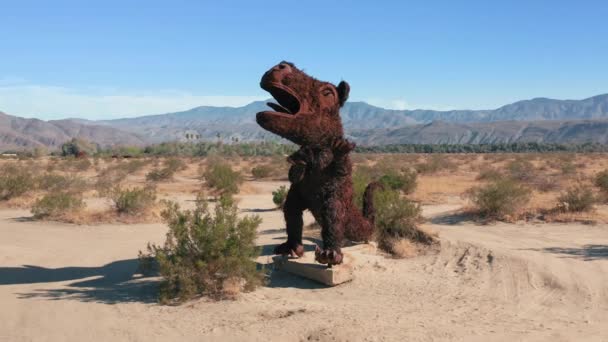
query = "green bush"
{"x": 396, "y": 216}
{"x": 361, "y": 178}
{"x": 55, "y": 204}
{"x": 220, "y": 177}
{"x": 205, "y": 254}
{"x": 279, "y": 196}
{"x": 261, "y": 171}
{"x": 397, "y": 220}
{"x": 403, "y": 181}
{"x": 133, "y": 201}
{"x": 577, "y": 199}
{"x": 15, "y": 180}
{"x": 500, "y": 199}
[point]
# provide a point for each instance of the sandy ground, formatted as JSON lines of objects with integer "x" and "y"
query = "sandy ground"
{"x": 502, "y": 282}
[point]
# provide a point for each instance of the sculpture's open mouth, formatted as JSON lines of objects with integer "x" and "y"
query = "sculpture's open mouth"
{"x": 287, "y": 102}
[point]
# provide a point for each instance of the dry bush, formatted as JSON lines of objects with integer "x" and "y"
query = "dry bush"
{"x": 131, "y": 166}
{"x": 15, "y": 180}
{"x": 489, "y": 174}
{"x": 170, "y": 167}
{"x": 54, "y": 182}
{"x": 545, "y": 184}
{"x": 499, "y": 200}
{"x": 521, "y": 170}
{"x": 436, "y": 163}
{"x": 579, "y": 198}
{"x": 601, "y": 181}
{"x": 204, "y": 253}
{"x": 108, "y": 180}
{"x": 261, "y": 171}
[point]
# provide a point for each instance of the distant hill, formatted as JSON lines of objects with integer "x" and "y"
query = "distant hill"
{"x": 229, "y": 122}
{"x": 539, "y": 119}
{"x": 439, "y": 132}
{"x": 19, "y": 133}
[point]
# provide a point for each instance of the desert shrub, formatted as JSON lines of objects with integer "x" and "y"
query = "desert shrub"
{"x": 220, "y": 177}
{"x": 489, "y": 174}
{"x": 568, "y": 168}
{"x": 261, "y": 171}
{"x": 545, "y": 184}
{"x": 56, "y": 182}
{"x": 279, "y": 196}
{"x": 133, "y": 201}
{"x": 78, "y": 147}
{"x": 170, "y": 167}
{"x": 160, "y": 174}
{"x": 435, "y": 164}
{"x": 15, "y": 180}
{"x": 576, "y": 199}
{"x": 361, "y": 178}
{"x": 521, "y": 170}
{"x": 601, "y": 181}
{"x": 501, "y": 199}
{"x": 131, "y": 166}
{"x": 108, "y": 180}
{"x": 403, "y": 181}
{"x": 397, "y": 218}
{"x": 81, "y": 164}
{"x": 56, "y": 204}
{"x": 206, "y": 254}
{"x": 175, "y": 164}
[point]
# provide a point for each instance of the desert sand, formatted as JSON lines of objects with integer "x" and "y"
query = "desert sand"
{"x": 501, "y": 282}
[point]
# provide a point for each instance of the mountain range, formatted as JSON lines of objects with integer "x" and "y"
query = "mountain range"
{"x": 539, "y": 119}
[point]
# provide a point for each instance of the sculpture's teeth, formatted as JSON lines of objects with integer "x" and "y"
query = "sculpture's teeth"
{"x": 278, "y": 108}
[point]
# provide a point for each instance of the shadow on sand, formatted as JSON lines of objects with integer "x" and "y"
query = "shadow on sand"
{"x": 113, "y": 283}
{"x": 587, "y": 252}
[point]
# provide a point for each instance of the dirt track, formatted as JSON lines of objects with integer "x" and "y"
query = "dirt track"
{"x": 504, "y": 282}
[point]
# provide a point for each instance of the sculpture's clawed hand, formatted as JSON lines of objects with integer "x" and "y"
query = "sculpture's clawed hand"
{"x": 328, "y": 256}
{"x": 342, "y": 146}
{"x": 292, "y": 250}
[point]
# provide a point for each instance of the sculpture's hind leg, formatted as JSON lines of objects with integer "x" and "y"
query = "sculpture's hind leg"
{"x": 293, "y": 210}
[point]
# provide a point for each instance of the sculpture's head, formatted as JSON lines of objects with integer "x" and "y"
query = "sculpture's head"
{"x": 307, "y": 111}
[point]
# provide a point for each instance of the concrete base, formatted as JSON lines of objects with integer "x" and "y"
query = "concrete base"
{"x": 307, "y": 267}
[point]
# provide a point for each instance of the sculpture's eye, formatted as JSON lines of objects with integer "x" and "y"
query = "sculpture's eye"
{"x": 282, "y": 66}
{"x": 327, "y": 92}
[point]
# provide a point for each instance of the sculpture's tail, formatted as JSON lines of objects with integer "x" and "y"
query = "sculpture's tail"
{"x": 369, "y": 212}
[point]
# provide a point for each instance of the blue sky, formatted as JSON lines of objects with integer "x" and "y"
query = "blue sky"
{"x": 105, "y": 59}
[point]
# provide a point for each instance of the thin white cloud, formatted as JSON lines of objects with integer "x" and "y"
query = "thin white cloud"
{"x": 51, "y": 102}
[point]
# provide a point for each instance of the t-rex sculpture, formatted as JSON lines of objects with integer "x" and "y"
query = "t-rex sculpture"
{"x": 307, "y": 113}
